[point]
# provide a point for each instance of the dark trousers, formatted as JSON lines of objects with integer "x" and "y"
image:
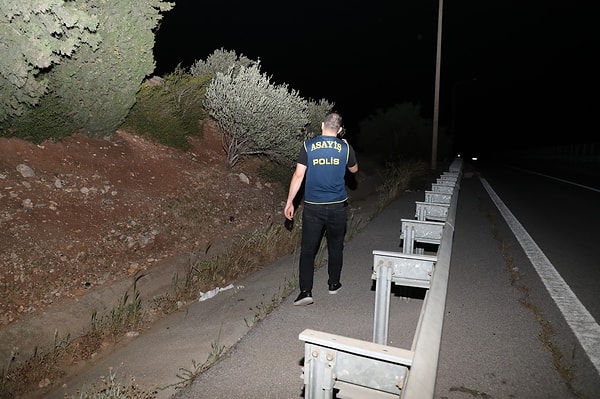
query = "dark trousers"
{"x": 318, "y": 220}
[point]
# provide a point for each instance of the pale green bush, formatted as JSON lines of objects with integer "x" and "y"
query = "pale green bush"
{"x": 316, "y": 113}
{"x": 255, "y": 116}
{"x": 220, "y": 61}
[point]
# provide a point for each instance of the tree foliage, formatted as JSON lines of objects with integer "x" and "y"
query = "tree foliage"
{"x": 399, "y": 132}
{"x": 34, "y": 37}
{"x": 99, "y": 87}
{"x": 95, "y": 86}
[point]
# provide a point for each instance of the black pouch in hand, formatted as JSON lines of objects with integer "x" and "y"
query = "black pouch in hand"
{"x": 288, "y": 224}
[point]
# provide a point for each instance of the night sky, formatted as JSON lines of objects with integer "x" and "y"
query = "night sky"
{"x": 513, "y": 73}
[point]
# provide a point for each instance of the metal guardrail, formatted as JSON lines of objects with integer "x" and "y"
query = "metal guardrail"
{"x": 361, "y": 369}
{"x": 423, "y": 373}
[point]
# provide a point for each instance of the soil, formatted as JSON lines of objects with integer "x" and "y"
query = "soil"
{"x": 83, "y": 213}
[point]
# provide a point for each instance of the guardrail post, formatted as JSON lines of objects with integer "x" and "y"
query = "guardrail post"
{"x": 318, "y": 372}
{"x": 382, "y": 303}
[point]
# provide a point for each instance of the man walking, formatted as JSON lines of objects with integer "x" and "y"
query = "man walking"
{"x": 323, "y": 161}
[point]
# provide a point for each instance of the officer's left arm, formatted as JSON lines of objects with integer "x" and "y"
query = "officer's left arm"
{"x": 351, "y": 157}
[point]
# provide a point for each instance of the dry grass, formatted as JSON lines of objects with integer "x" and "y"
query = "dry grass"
{"x": 397, "y": 178}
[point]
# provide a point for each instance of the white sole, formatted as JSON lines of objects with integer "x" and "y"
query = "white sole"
{"x": 304, "y": 301}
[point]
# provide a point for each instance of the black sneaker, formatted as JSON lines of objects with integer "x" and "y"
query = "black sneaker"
{"x": 305, "y": 298}
{"x": 334, "y": 288}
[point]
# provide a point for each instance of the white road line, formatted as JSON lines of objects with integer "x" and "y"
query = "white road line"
{"x": 561, "y": 180}
{"x": 577, "y": 316}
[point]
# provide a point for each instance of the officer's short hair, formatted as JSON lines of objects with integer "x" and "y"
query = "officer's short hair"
{"x": 333, "y": 121}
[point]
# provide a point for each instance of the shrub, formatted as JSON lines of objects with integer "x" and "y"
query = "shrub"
{"x": 255, "y": 116}
{"x": 44, "y": 121}
{"x": 169, "y": 109}
{"x": 316, "y": 113}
